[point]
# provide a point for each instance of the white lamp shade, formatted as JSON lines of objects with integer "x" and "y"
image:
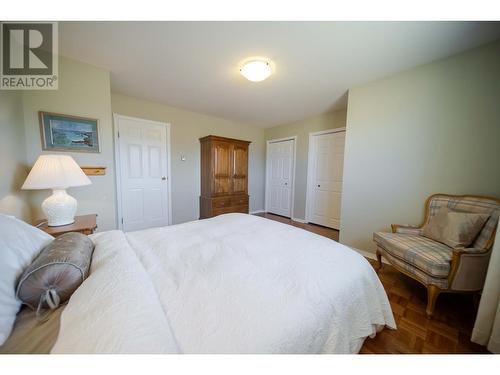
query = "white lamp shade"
{"x": 55, "y": 172}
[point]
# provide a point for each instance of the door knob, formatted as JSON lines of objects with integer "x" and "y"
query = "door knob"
{"x": 319, "y": 185}
{"x": 163, "y": 178}
{"x": 286, "y": 183}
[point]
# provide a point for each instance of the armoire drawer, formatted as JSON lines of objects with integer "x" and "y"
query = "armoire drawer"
{"x": 220, "y": 211}
{"x": 239, "y": 201}
{"x": 221, "y": 202}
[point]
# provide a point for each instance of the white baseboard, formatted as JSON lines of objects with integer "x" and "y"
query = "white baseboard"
{"x": 369, "y": 255}
{"x": 257, "y": 212}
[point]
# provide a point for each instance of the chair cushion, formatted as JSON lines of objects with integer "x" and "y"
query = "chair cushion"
{"x": 432, "y": 257}
{"x": 415, "y": 272}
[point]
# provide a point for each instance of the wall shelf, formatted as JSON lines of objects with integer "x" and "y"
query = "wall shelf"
{"x": 94, "y": 171}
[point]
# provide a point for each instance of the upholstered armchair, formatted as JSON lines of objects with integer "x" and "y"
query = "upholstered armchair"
{"x": 440, "y": 268}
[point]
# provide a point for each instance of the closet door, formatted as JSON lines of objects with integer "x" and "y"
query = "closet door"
{"x": 280, "y": 162}
{"x": 325, "y": 179}
{"x": 240, "y": 168}
{"x": 222, "y": 163}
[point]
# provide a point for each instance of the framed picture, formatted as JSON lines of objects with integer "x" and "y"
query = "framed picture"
{"x": 68, "y": 133}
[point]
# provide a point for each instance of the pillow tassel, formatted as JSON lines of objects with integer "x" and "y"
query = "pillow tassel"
{"x": 52, "y": 299}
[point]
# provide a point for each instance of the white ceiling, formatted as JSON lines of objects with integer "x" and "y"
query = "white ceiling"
{"x": 194, "y": 65}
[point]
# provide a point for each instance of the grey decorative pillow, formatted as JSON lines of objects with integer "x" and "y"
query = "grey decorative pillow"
{"x": 56, "y": 272}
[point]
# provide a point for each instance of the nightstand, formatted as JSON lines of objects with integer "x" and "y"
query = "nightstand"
{"x": 85, "y": 224}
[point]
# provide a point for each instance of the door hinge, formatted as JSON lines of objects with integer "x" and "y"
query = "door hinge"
{"x": 118, "y": 134}
{"x": 122, "y": 220}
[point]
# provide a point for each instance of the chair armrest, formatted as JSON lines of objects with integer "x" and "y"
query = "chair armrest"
{"x": 406, "y": 229}
{"x": 468, "y": 269}
{"x": 469, "y": 250}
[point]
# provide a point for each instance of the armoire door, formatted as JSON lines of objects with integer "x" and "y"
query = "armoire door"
{"x": 325, "y": 184}
{"x": 222, "y": 167}
{"x": 240, "y": 169}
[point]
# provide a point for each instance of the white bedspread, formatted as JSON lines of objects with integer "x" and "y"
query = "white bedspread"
{"x": 116, "y": 309}
{"x": 232, "y": 284}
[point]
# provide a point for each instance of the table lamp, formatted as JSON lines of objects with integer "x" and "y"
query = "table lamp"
{"x": 56, "y": 172}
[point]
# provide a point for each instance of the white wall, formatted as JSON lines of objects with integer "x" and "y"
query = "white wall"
{"x": 435, "y": 128}
{"x": 13, "y": 168}
{"x": 186, "y": 129}
{"x": 84, "y": 90}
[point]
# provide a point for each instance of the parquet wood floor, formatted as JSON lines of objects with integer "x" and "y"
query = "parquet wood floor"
{"x": 447, "y": 332}
{"x": 330, "y": 233}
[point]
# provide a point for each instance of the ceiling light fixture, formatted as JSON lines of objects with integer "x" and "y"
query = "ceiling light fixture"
{"x": 256, "y": 70}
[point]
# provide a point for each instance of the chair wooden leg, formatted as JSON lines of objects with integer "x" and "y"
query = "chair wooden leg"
{"x": 379, "y": 261}
{"x": 432, "y": 295}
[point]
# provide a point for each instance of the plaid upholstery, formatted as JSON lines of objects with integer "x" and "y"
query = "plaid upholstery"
{"x": 420, "y": 252}
{"x": 408, "y": 229}
{"x": 418, "y": 274}
{"x": 473, "y": 205}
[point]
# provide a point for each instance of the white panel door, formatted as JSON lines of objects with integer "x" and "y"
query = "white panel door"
{"x": 280, "y": 177}
{"x": 143, "y": 173}
{"x": 325, "y": 185}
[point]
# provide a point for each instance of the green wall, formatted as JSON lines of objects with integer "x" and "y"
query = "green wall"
{"x": 84, "y": 90}
{"x": 13, "y": 170}
{"x": 186, "y": 128}
{"x": 432, "y": 129}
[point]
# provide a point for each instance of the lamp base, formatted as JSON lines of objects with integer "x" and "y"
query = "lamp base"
{"x": 60, "y": 208}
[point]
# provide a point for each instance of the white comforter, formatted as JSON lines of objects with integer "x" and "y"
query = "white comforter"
{"x": 232, "y": 284}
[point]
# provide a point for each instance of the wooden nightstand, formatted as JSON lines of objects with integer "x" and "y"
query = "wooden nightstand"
{"x": 85, "y": 224}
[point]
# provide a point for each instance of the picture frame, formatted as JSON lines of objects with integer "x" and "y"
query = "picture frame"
{"x": 68, "y": 133}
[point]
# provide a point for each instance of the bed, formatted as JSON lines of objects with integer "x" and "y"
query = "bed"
{"x": 235, "y": 283}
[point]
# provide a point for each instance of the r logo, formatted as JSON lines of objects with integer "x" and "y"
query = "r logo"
{"x": 29, "y": 55}
{"x": 27, "y": 48}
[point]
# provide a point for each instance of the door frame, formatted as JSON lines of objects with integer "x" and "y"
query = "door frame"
{"x": 118, "y": 178}
{"x": 292, "y": 196}
{"x": 310, "y": 160}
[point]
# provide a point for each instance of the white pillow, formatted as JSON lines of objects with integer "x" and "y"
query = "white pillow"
{"x": 20, "y": 243}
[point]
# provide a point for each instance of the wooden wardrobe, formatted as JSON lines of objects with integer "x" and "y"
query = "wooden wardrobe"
{"x": 224, "y": 176}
